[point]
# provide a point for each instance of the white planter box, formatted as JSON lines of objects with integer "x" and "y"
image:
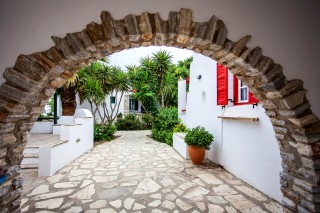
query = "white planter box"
{"x": 179, "y": 145}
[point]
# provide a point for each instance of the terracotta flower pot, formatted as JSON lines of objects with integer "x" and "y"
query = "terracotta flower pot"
{"x": 196, "y": 154}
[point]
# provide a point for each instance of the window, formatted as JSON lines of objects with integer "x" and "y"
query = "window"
{"x": 242, "y": 95}
{"x": 243, "y": 92}
{"x": 112, "y": 100}
{"x": 133, "y": 105}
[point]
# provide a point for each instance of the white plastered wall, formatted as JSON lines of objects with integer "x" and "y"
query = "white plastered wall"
{"x": 247, "y": 149}
{"x": 86, "y": 105}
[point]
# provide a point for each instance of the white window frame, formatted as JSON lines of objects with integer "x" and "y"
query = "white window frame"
{"x": 132, "y": 101}
{"x": 239, "y": 92}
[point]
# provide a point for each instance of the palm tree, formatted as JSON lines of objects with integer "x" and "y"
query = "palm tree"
{"x": 170, "y": 89}
{"x": 161, "y": 66}
{"x": 93, "y": 93}
{"x": 68, "y": 100}
{"x": 68, "y": 96}
{"x": 72, "y": 86}
{"x": 182, "y": 68}
{"x": 144, "y": 84}
{"x": 119, "y": 83}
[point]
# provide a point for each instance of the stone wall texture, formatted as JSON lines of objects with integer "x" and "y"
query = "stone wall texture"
{"x": 34, "y": 78}
{"x": 126, "y": 107}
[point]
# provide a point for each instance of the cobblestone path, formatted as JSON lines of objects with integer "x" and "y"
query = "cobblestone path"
{"x": 136, "y": 174}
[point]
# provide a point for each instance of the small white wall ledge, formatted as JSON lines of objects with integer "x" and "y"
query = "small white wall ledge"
{"x": 243, "y": 113}
{"x": 239, "y": 118}
{"x": 179, "y": 145}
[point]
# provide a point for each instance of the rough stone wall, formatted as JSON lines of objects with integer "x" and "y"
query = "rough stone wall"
{"x": 126, "y": 104}
{"x": 34, "y": 78}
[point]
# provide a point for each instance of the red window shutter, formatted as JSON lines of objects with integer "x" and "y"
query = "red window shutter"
{"x": 222, "y": 85}
{"x": 252, "y": 99}
{"x": 235, "y": 90}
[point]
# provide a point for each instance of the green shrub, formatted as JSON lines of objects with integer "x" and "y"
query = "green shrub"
{"x": 104, "y": 132}
{"x": 134, "y": 122}
{"x": 180, "y": 127}
{"x": 129, "y": 122}
{"x": 164, "y": 122}
{"x": 164, "y": 136}
{"x": 166, "y": 119}
{"x": 147, "y": 121}
{"x": 120, "y": 115}
{"x": 199, "y": 137}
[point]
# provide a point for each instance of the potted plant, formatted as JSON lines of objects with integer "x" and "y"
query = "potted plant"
{"x": 198, "y": 140}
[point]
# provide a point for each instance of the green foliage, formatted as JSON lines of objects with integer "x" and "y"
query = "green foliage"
{"x": 44, "y": 118}
{"x": 182, "y": 68}
{"x": 180, "y": 127}
{"x": 147, "y": 120}
{"x": 179, "y": 71}
{"x": 155, "y": 80}
{"x": 120, "y": 115}
{"x": 166, "y": 119}
{"x": 164, "y": 136}
{"x": 92, "y": 91}
{"x": 162, "y": 64}
{"x": 164, "y": 122}
{"x": 133, "y": 122}
{"x": 129, "y": 122}
{"x": 104, "y": 132}
{"x": 98, "y": 80}
{"x": 144, "y": 84}
{"x": 51, "y": 103}
{"x": 199, "y": 137}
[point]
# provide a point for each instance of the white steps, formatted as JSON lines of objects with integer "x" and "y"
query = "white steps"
{"x": 31, "y": 158}
{"x": 29, "y": 166}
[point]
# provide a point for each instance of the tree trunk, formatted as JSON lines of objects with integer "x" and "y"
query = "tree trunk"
{"x": 162, "y": 100}
{"x": 148, "y": 113}
{"x": 118, "y": 106}
{"x": 68, "y": 101}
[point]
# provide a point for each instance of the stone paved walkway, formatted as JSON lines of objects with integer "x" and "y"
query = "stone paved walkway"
{"x": 136, "y": 174}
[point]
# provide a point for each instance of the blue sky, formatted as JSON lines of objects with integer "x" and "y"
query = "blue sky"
{"x": 132, "y": 56}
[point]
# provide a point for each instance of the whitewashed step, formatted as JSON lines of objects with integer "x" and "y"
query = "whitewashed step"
{"x": 31, "y": 150}
{"x": 27, "y": 160}
{"x": 31, "y": 155}
{"x": 27, "y": 170}
{"x": 29, "y": 166}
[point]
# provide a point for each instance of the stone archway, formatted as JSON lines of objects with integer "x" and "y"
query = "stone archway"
{"x": 34, "y": 78}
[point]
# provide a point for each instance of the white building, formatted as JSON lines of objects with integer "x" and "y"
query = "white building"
{"x": 111, "y": 102}
{"x": 127, "y": 105}
{"x": 244, "y": 140}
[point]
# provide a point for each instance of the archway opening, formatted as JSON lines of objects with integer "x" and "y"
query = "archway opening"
{"x": 34, "y": 78}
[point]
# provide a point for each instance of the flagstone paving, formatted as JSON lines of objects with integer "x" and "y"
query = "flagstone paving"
{"x": 137, "y": 174}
